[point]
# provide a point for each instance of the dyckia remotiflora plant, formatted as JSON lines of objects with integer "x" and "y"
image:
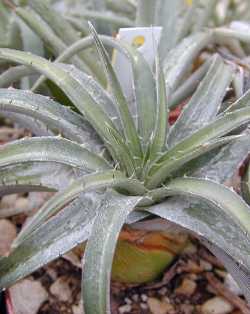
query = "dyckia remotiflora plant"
{"x": 121, "y": 162}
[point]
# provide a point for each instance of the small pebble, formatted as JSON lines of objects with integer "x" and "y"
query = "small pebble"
{"x": 144, "y": 297}
{"x": 216, "y": 305}
{"x": 60, "y": 288}
{"x": 7, "y": 234}
{"x": 125, "y": 308}
{"x": 128, "y": 301}
{"x": 143, "y": 306}
{"x": 187, "y": 287}
{"x": 22, "y": 203}
{"x": 8, "y": 200}
{"x": 158, "y": 307}
{"x": 27, "y": 296}
{"x": 135, "y": 297}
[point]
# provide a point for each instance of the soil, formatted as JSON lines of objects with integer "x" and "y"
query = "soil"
{"x": 193, "y": 279}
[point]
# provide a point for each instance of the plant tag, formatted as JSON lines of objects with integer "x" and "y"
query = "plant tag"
{"x": 146, "y": 40}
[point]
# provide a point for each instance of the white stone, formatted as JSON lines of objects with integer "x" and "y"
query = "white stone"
{"x": 8, "y": 234}
{"x": 125, "y": 308}
{"x": 60, "y": 288}
{"x": 27, "y": 296}
{"x": 216, "y": 305}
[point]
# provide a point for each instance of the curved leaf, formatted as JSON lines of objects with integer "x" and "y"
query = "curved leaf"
{"x": 189, "y": 85}
{"x": 178, "y": 61}
{"x": 100, "y": 251}
{"x": 54, "y": 115}
{"x": 145, "y": 13}
{"x": 64, "y": 32}
{"x": 44, "y": 31}
{"x": 73, "y": 89}
{"x": 166, "y": 14}
{"x": 161, "y": 124}
{"x": 223, "y": 164}
{"x": 142, "y": 77}
{"x": 49, "y": 149}
{"x": 132, "y": 138}
{"x": 37, "y": 175}
{"x": 97, "y": 92}
{"x": 108, "y": 17}
{"x": 14, "y": 74}
{"x": 37, "y": 128}
{"x": 171, "y": 164}
{"x": 216, "y": 194}
{"x": 59, "y": 235}
{"x": 220, "y": 127}
{"x": 87, "y": 183}
{"x": 204, "y": 104}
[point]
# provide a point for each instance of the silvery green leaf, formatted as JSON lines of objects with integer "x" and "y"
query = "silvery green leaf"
{"x": 59, "y": 235}
{"x": 178, "y": 60}
{"x": 223, "y": 32}
{"x": 32, "y": 43}
{"x": 238, "y": 84}
{"x": 98, "y": 16}
{"x": 50, "y": 149}
{"x": 130, "y": 132}
{"x": 166, "y": 15}
{"x": 188, "y": 87}
{"x": 204, "y": 104}
{"x": 143, "y": 81}
{"x": 10, "y": 36}
{"x": 145, "y": 13}
{"x": 208, "y": 222}
{"x": 161, "y": 122}
{"x": 37, "y": 127}
{"x": 187, "y": 20}
{"x": 74, "y": 90}
{"x": 58, "y": 118}
{"x": 14, "y": 74}
{"x": 65, "y": 32}
{"x": 44, "y": 31}
{"x": 102, "y": 26}
{"x": 204, "y": 11}
{"x": 97, "y": 92}
{"x": 86, "y": 183}
{"x": 210, "y": 192}
{"x": 225, "y": 162}
{"x": 100, "y": 250}
{"x": 49, "y": 175}
{"x": 165, "y": 166}
{"x": 218, "y": 128}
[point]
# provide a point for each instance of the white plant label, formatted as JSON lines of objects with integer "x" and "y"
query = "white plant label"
{"x": 146, "y": 40}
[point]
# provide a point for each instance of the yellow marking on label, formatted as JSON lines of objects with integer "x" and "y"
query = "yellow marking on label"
{"x": 189, "y": 2}
{"x": 138, "y": 41}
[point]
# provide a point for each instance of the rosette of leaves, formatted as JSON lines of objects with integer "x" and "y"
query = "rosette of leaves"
{"x": 111, "y": 167}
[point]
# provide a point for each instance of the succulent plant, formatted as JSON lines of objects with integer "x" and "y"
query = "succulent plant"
{"x": 112, "y": 162}
{"x": 111, "y": 167}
